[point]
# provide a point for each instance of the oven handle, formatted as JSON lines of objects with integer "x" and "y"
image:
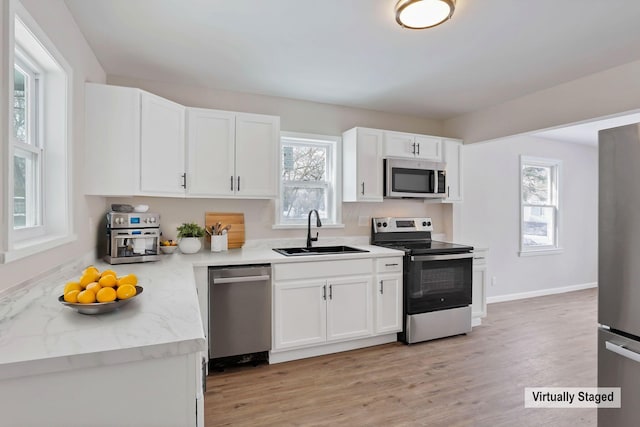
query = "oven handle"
{"x": 441, "y": 257}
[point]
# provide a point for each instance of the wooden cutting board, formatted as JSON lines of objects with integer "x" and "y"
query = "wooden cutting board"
{"x": 236, "y": 232}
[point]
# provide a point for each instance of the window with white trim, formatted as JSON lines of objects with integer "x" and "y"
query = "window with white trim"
{"x": 309, "y": 176}
{"x": 539, "y": 204}
{"x": 37, "y": 167}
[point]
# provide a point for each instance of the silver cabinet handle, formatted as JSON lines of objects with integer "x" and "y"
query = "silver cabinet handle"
{"x": 624, "y": 352}
{"x": 231, "y": 183}
{"x": 330, "y": 291}
{"x": 381, "y": 287}
{"x": 414, "y": 148}
{"x": 441, "y": 257}
{"x": 238, "y": 183}
{"x": 260, "y": 278}
{"x": 418, "y": 149}
{"x": 363, "y": 188}
{"x": 184, "y": 180}
{"x": 448, "y": 191}
{"x": 391, "y": 265}
{"x": 324, "y": 292}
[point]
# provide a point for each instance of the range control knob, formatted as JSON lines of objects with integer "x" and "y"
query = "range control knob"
{"x": 153, "y": 220}
{"x": 424, "y": 223}
{"x": 384, "y": 224}
{"x": 379, "y": 224}
{"x": 429, "y": 223}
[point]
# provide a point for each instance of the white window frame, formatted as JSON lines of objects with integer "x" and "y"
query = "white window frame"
{"x": 333, "y": 182}
{"x": 28, "y": 43}
{"x": 556, "y": 191}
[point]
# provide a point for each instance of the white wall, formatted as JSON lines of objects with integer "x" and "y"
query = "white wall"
{"x": 490, "y": 214}
{"x": 56, "y": 21}
{"x": 610, "y": 92}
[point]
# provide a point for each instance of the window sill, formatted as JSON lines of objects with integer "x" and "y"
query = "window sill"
{"x": 540, "y": 252}
{"x": 36, "y": 245}
{"x": 303, "y": 226}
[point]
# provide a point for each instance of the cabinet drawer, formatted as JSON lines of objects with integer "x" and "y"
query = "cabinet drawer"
{"x": 307, "y": 270}
{"x": 389, "y": 265}
{"x": 479, "y": 257}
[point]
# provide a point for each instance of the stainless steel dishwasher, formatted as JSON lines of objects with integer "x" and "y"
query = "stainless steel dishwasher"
{"x": 239, "y": 312}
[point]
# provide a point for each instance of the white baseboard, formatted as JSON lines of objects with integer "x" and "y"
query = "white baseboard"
{"x": 541, "y": 292}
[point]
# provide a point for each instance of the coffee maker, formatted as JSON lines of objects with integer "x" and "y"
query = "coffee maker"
{"x": 132, "y": 237}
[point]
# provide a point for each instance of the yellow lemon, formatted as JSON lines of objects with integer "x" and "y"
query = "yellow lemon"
{"x": 71, "y": 296}
{"x": 86, "y": 297}
{"x": 108, "y": 273}
{"x": 107, "y": 281}
{"x": 94, "y": 286}
{"x": 129, "y": 279}
{"x": 70, "y": 286}
{"x": 126, "y": 291}
{"x": 91, "y": 268}
{"x": 106, "y": 295}
{"x": 89, "y": 277}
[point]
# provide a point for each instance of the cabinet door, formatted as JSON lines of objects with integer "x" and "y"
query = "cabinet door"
{"x": 112, "y": 130}
{"x": 349, "y": 313}
{"x": 369, "y": 165}
{"x": 453, "y": 157}
{"x": 211, "y": 137}
{"x": 300, "y": 314}
{"x": 257, "y": 142}
{"x": 162, "y": 162}
{"x": 398, "y": 144}
{"x": 428, "y": 148}
{"x": 388, "y": 291}
{"x": 479, "y": 303}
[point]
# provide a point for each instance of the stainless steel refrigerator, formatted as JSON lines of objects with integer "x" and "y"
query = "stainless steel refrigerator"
{"x": 619, "y": 272}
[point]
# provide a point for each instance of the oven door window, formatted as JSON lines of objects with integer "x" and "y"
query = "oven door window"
{"x": 412, "y": 180}
{"x": 438, "y": 285}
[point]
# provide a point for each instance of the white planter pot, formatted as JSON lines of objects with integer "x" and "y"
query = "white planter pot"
{"x": 189, "y": 245}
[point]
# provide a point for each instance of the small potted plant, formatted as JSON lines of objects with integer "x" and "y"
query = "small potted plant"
{"x": 190, "y": 235}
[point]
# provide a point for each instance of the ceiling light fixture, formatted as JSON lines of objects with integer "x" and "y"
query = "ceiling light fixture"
{"x": 420, "y": 14}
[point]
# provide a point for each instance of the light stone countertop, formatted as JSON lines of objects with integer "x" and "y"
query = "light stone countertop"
{"x": 39, "y": 335}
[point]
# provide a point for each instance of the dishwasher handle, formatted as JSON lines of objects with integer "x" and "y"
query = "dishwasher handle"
{"x": 221, "y": 280}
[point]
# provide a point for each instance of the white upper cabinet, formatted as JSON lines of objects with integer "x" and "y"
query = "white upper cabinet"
{"x": 362, "y": 165}
{"x": 232, "y": 154}
{"x": 112, "y": 140}
{"x": 453, "y": 158}
{"x": 211, "y": 136}
{"x": 257, "y": 147}
{"x": 162, "y": 165}
{"x": 412, "y": 146}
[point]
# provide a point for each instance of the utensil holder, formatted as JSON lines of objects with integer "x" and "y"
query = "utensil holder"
{"x": 219, "y": 242}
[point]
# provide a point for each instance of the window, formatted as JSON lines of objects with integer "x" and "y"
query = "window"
{"x": 27, "y": 151}
{"x": 309, "y": 171}
{"x": 539, "y": 208}
{"x": 37, "y": 165}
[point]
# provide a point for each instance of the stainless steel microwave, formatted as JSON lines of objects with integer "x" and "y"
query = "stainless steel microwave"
{"x": 414, "y": 179}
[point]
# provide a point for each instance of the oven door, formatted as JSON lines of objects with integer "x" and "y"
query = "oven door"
{"x": 438, "y": 282}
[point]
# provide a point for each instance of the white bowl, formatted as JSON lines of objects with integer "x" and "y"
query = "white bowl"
{"x": 141, "y": 208}
{"x": 168, "y": 249}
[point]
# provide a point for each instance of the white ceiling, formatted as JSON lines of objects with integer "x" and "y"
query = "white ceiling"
{"x": 352, "y": 52}
{"x": 587, "y": 133}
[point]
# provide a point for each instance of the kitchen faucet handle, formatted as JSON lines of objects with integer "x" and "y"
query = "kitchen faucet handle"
{"x": 315, "y": 239}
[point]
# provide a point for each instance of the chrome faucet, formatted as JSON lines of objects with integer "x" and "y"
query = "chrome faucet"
{"x": 318, "y": 224}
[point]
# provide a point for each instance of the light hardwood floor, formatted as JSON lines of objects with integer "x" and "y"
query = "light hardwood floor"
{"x": 469, "y": 380}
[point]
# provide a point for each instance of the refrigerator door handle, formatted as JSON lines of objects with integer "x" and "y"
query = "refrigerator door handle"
{"x": 624, "y": 352}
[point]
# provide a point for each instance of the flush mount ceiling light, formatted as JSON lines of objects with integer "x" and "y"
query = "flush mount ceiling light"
{"x": 420, "y": 14}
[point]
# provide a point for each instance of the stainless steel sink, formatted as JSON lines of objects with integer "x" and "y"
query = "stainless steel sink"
{"x": 318, "y": 250}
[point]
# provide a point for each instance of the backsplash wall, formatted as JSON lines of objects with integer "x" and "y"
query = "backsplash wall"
{"x": 259, "y": 215}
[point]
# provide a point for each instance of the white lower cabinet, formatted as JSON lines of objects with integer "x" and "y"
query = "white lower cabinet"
{"x": 323, "y": 307}
{"x": 388, "y": 303}
{"x": 479, "y": 297}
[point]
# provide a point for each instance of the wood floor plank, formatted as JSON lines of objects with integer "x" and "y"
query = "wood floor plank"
{"x": 469, "y": 380}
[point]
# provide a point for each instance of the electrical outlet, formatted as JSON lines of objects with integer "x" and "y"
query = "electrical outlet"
{"x": 363, "y": 221}
{"x": 494, "y": 280}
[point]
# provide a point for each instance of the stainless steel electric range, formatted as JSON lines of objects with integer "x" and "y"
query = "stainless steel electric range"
{"x": 437, "y": 278}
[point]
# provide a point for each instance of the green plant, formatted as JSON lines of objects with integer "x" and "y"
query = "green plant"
{"x": 190, "y": 229}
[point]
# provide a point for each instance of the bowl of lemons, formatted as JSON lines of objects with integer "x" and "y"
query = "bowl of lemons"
{"x": 100, "y": 292}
